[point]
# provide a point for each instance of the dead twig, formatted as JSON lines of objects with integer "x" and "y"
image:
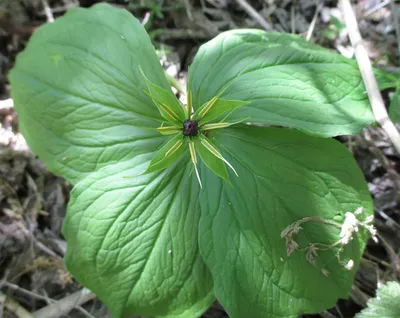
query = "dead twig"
{"x": 146, "y": 18}
{"x": 394, "y": 257}
{"x": 314, "y": 20}
{"x": 390, "y": 222}
{"x": 79, "y": 308}
{"x": 367, "y": 142}
{"x": 43, "y": 298}
{"x": 338, "y": 311}
{"x": 47, "y": 11}
{"x": 254, "y": 14}
{"x": 358, "y": 296}
{"x": 396, "y": 21}
{"x": 26, "y": 292}
{"x": 65, "y": 305}
{"x": 364, "y": 64}
{"x": 377, "y": 7}
{"x": 188, "y": 9}
{"x": 377, "y": 260}
{"x": 326, "y": 314}
{"x": 292, "y": 20}
{"x": 71, "y": 4}
{"x": 14, "y": 307}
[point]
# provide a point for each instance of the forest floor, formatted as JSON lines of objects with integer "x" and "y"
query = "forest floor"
{"x": 33, "y": 200}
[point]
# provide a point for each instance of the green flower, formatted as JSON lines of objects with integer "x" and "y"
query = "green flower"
{"x": 190, "y": 129}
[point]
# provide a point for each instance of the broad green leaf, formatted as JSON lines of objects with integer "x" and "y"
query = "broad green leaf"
{"x": 210, "y": 111}
{"x": 168, "y": 154}
{"x": 79, "y": 95}
{"x": 167, "y": 103}
{"x": 386, "y": 304}
{"x": 385, "y": 79}
{"x": 287, "y": 80}
{"x": 394, "y": 107}
{"x": 132, "y": 239}
{"x": 284, "y": 176}
{"x": 210, "y": 159}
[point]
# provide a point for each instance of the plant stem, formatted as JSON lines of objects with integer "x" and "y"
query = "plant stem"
{"x": 364, "y": 64}
{"x": 174, "y": 83}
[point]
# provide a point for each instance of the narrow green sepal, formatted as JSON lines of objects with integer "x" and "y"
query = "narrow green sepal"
{"x": 166, "y": 102}
{"x": 220, "y": 125}
{"x": 211, "y": 157}
{"x": 189, "y": 107}
{"x": 215, "y": 108}
{"x": 193, "y": 157}
{"x": 168, "y": 154}
{"x": 205, "y": 108}
{"x": 211, "y": 148}
{"x": 169, "y": 130}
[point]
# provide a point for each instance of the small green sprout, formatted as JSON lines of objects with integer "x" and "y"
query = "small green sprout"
{"x": 190, "y": 128}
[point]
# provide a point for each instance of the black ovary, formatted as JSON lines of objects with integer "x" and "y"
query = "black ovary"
{"x": 190, "y": 128}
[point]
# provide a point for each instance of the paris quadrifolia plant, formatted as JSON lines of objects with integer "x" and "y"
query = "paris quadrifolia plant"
{"x": 239, "y": 195}
{"x": 190, "y": 129}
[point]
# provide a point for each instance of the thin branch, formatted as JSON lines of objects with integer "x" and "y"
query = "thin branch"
{"x": 79, "y": 308}
{"x": 254, "y": 14}
{"x": 314, "y": 20}
{"x": 326, "y": 314}
{"x": 292, "y": 19}
{"x": 366, "y": 140}
{"x": 14, "y": 307}
{"x": 60, "y": 9}
{"x": 358, "y": 296}
{"x": 47, "y": 11}
{"x": 45, "y": 249}
{"x": 43, "y": 298}
{"x": 188, "y": 9}
{"x": 396, "y": 21}
{"x": 338, "y": 311}
{"x": 364, "y": 64}
{"x": 84, "y": 311}
{"x": 184, "y": 34}
{"x": 377, "y": 7}
{"x": 26, "y": 292}
{"x": 145, "y": 18}
{"x": 65, "y": 305}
